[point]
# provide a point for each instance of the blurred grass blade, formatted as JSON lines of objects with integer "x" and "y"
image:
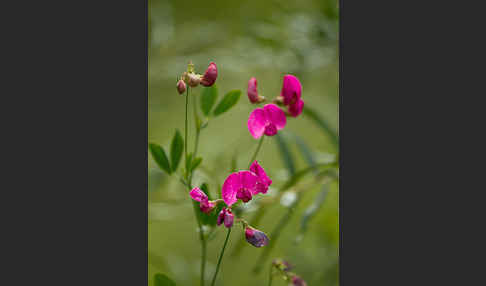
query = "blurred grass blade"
{"x": 300, "y": 174}
{"x": 306, "y": 152}
{"x": 176, "y": 149}
{"x": 285, "y": 153}
{"x": 208, "y": 98}
{"x": 159, "y": 156}
{"x": 311, "y": 211}
{"x": 228, "y": 101}
{"x": 189, "y": 161}
{"x": 162, "y": 280}
{"x": 312, "y": 114}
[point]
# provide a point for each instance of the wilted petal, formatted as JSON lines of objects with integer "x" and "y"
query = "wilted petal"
{"x": 230, "y": 188}
{"x": 291, "y": 89}
{"x": 257, "y": 122}
{"x": 221, "y": 216}
{"x": 228, "y": 218}
{"x": 275, "y": 115}
{"x": 296, "y": 108}
{"x": 198, "y": 195}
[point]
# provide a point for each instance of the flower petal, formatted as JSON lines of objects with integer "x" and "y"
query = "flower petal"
{"x": 230, "y": 187}
{"x": 248, "y": 181}
{"x": 264, "y": 180}
{"x": 275, "y": 115}
{"x": 291, "y": 89}
{"x": 296, "y": 108}
{"x": 257, "y": 122}
{"x": 198, "y": 195}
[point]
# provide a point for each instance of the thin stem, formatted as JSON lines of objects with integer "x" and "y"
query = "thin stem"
{"x": 188, "y": 177}
{"x": 270, "y": 278}
{"x": 256, "y": 151}
{"x": 221, "y": 257}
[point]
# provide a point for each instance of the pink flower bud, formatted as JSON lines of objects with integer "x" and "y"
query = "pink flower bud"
{"x": 205, "y": 205}
{"x": 181, "y": 86}
{"x": 225, "y": 216}
{"x": 252, "y": 91}
{"x": 255, "y": 237}
{"x": 297, "y": 281}
{"x": 193, "y": 79}
{"x": 210, "y": 75}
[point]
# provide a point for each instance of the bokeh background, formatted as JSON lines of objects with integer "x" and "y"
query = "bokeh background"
{"x": 265, "y": 39}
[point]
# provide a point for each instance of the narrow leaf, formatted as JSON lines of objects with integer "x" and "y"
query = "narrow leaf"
{"x": 176, "y": 149}
{"x": 208, "y": 98}
{"x": 228, "y": 101}
{"x": 189, "y": 161}
{"x": 285, "y": 153}
{"x": 311, "y": 211}
{"x": 195, "y": 163}
{"x": 162, "y": 280}
{"x": 306, "y": 152}
{"x": 159, "y": 156}
{"x": 312, "y": 114}
{"x": 300, "y": 174}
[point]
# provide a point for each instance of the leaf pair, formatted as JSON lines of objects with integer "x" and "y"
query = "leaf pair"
{"x": 192, "y": 164}
{"x": 209, "y": 96}
{"x": 160, "y": 157}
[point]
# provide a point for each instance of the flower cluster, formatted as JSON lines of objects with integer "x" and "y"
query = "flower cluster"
{"x": 269, "y": 119}
{"x": 193, "y": 79}
{"x": 241, "y": 185}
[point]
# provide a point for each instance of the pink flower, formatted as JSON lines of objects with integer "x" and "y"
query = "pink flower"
{"x": 292, "y": 93}
{"x": 297, "y": 281}
{"x": 255, "y": 237}
{"x": 226, "y": 216}
{"x": 263, "y": 180}
{"x": 239, "y": 185}
{"x": 210, "y": 75}
{"x": 252, "y": 91}
{"x": 267, "y": 120}
{"x": 205, "y": 205}
{"x": 181, "y": 86}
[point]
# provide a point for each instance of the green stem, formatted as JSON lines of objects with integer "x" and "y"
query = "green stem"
{"x": 188, "y": 180}
{"x": 221, "y": 257}
{"x": 256, "y": 152}
{"x": 271, "y": 276}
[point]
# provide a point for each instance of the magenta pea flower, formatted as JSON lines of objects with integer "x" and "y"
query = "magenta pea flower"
{"x": 255, "y": 237}
{"x": 205, "y": 205}
{"x": 239, "y": 185}
{"x": 297, "y": 281}
{"x": 252, "y": 91}
{"x": 263, "y": 180}
{"x": 267, "y": 120}
{"x": 292, "y": 93}
{"x": 226, "y": 217}
{"x": 210, "y": 75}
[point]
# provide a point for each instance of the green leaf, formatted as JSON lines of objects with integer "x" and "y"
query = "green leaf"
{"x": 159, "y": 156}
{"x": 208, "y": 98}
{"x": 285, "y": 153}
{"x": 300, "y": 174}
{"x": 306, "y": 152}
{"x": 195, "y": 163}
{"x": 189, "y": 161}
{"x": 176, "y": 149}
{"x": 228, "y": 101}
{"x": 311, "y": 211}
{"x": 162, "y": 280}
{"x": 312, "y": 114}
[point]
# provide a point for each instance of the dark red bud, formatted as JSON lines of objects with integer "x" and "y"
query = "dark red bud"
{"x": 181, "y": 86}
{"x": 209, "y": 77}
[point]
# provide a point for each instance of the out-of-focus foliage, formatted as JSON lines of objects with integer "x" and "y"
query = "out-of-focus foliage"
{"x": 254, "y": 38}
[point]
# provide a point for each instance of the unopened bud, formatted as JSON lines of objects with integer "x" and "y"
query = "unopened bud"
{"x": 191, "y": 79}
{"x": 252, "y": 91}
{"x": 255, "y": 237}
{"x": 209, "y": 77}
{"x": 226, "y": 217}
{"x": 181, "y": 86}
{"x": 297, "y": 281}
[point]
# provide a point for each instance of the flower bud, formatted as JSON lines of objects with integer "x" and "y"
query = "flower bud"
{"x": 181, "y": 86}
{"x": 210, "y": 75}
{"x": 252, "y": 91}
{"x": 255, "y": 237}
{"x": 193, "y": 79}
{"x": 225, "y": 216}
{"x": 297, "y": 281}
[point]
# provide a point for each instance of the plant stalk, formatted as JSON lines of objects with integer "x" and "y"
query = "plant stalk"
{"x": 221, "y": 257}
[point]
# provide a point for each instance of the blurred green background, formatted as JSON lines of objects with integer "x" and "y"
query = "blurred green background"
{"x": 264, "y": 39}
